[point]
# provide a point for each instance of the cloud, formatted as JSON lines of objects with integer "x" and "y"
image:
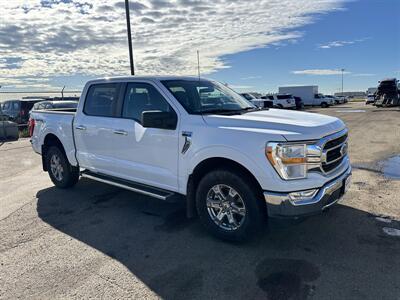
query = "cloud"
{"x": 336, "y": 44}
{"x": 68, "y": 37}
{"x": 320, "y": 72}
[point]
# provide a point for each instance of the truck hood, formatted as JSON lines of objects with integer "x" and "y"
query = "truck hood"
{"x": 292, "y": 125}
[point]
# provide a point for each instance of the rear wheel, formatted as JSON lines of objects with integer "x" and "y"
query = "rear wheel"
{"x": 280, "y": 106}
{"x": 228, "y": 206}
{"x": 61, "y": 173}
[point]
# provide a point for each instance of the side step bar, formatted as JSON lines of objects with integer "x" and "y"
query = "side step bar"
{"x": 132, "y": 186}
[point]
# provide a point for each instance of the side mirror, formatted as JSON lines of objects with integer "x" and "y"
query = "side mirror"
{"x": 159, "y": 119}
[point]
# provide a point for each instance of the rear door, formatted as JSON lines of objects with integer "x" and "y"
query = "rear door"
{"x": 94, "y": 128}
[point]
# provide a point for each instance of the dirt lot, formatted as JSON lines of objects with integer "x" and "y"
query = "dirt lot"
{"x": 97, "y": 241}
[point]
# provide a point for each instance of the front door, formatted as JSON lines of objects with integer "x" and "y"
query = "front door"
{"x": 146, "y": 155}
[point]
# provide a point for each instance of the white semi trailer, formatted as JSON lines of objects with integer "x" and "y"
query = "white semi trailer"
{"x": 308, "y": 93}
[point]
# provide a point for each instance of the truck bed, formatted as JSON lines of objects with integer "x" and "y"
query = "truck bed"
{"x": 58, "y": 122}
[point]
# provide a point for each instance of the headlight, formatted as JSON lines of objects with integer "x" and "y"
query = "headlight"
{"x": 289, "y": 160}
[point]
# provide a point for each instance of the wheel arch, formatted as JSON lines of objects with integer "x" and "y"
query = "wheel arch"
{"x": 209, "y": 164}
{"x": 49, "y": 141}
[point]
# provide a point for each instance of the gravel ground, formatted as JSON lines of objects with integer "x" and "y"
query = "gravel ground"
{"x": 97, "y": 241}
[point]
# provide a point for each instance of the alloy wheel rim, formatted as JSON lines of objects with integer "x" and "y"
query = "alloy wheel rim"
{"x": 56, "y": 168}
{"x": 226, "y": 207}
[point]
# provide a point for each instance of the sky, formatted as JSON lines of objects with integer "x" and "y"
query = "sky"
{"x": 251, "y": 45}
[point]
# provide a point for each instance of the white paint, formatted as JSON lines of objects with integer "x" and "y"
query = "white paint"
{"x": 351, "y": 111}
{"x": 391, "y": 231}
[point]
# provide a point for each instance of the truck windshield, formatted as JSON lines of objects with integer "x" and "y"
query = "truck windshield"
{"x": 203, "y": 96}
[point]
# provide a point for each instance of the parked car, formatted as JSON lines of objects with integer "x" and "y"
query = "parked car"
{"x": 340, "y": 99}
{"x": 281, "y": 100}
{"x": 328, "y": 99}
{"x": 299, "y": 103}
{"x": 332, "y": 99}
{"x": 181, "y": 138}
{"x": 370, "y": 99}
{"x": 263, "y": 103}
{"x": 18, "y": 110}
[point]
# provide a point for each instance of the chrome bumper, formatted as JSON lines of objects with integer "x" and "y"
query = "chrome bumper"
{"x": 283, "y": 204}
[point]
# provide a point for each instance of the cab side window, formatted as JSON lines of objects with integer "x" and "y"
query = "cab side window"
{"x": 15, "y": 106}
{"x": 140, "y": 97}
{"x": 101, "y": 100}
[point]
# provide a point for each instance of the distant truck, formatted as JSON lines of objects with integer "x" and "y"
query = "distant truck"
{"x": 308, "y": 93}
{"x": 387, "y": 93}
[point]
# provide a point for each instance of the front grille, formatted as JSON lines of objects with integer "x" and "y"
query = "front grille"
{"x": 333, "y": 153}
{"x": 336, "y": 142}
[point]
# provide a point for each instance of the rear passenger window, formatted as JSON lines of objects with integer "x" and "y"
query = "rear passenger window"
{"x": 101, "y": 100}
{"x": 15, "y": 106}
{"x": 142, "y": 97}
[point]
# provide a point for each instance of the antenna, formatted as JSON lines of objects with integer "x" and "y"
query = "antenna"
{"x": 62, "y": 93}
{"x": 198, "y": 63}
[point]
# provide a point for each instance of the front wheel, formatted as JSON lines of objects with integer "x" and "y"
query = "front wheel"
{"x": 229, "y": 206}
{"x": 61, "y": 173}
{"x": 324, "y": 105}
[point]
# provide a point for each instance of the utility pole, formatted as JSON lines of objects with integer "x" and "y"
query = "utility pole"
{"x": 342, "y": 80}
{"x": 128, "y": 27}
{"x": 198, "y": 63}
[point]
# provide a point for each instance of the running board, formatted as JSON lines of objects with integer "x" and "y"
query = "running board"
{"x": 132, "y": 186}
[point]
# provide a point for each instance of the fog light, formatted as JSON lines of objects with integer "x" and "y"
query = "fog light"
{"x": 302, "y": 195}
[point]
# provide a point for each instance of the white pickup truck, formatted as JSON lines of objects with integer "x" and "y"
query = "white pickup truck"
{"x": 197, "y": 140}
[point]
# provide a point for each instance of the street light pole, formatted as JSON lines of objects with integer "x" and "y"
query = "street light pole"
{"x": 198, "y": 63}
{"x": 342, "y": 80}
{"x": 3, "y": 121}
{"x": 128, "y": 27}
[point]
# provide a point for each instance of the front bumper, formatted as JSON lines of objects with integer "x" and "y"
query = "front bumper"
{"x": 281, "y": 205}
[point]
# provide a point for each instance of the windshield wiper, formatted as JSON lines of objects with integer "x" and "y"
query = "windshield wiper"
{"x": 231, "y": 111}
{"x": 222, "y": 111}
{"x": 251, "y": 109}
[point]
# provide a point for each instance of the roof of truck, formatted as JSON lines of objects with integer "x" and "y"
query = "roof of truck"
{"x": 155, "y": 77}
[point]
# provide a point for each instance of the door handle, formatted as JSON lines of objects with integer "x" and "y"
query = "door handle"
{"x": 120, "y": 132}
{"x": 80, "y": 127}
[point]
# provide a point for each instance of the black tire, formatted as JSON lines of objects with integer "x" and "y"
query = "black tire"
{"x": 280, "y": 106}
{"x": 254, "y": 214}
{"x": 324, "y": 105}
{"x": 66, "y": 175}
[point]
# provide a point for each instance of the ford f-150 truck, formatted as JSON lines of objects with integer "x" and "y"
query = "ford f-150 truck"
{"x": 194, "y": 139}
